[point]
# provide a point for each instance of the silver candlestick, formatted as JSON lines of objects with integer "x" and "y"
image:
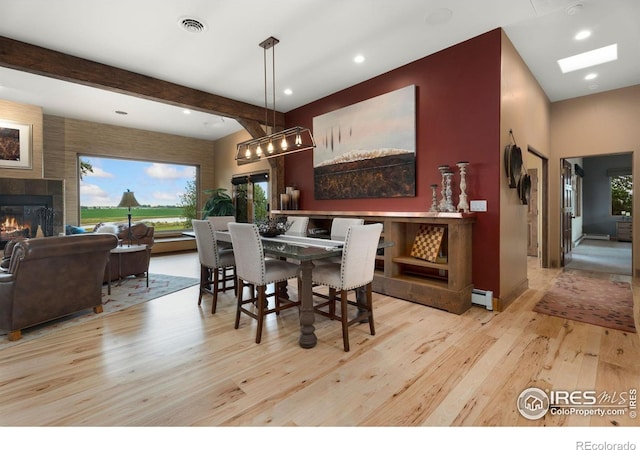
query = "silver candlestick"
{"x": 434, "y": 198}
{"x": 442, "y": 206}
{"x": 462, "y": 203}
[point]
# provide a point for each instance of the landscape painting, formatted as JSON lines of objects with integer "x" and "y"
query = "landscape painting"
{"x": 15, "y": 145}
{"x": 367, "y": 150}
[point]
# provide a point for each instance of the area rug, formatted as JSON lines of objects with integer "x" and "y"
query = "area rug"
{"x": 598, "y": 301}
{"x": 131, "y": 291}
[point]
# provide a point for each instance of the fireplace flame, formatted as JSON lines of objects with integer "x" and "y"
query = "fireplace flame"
{"x": 11, "y": 226}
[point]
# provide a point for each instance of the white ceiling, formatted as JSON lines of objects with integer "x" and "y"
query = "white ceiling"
{"x": 318, "y": 41}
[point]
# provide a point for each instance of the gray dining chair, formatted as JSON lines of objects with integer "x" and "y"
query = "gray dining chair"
{"x": 215, "y": 263}
{"x": 298, "y": 226}
{"x": 339, "y": 228}
{"x": 340, "y": 225}
{"x": 221, "y": 223}
{"x": 356, "y": 270}
{"x": 255, "y": 270}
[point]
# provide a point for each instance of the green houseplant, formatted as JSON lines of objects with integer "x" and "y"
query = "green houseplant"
{"x": 219, "y": 203}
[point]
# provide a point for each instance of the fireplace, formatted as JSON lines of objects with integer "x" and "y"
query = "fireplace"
{"x": 28, "y": 204}
{"x": 22, "y": 215}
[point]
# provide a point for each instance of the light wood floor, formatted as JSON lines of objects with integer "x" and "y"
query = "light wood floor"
{"x": 169, "y": 362}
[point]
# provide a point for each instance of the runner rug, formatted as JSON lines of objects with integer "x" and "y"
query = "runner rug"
{"x": 131, "y": 291}
{"x": 598, "y": 301}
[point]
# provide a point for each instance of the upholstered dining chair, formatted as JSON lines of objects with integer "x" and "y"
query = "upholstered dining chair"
{"x": 356, "y": 270}
{"x": 254, "y": 269}
{"x": 298, "y": 226}
{"x": 214, "y": 262}
{"x": 221, "y": 223}
{"x": 340, "y": 225}
{"x": 339, "y": 228}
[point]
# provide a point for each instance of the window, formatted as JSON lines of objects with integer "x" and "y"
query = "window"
{"x": 166, "y": 192}
{"x": 621, "y": 193}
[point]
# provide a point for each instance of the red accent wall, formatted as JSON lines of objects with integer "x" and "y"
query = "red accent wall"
{"x": 458, "y": 118}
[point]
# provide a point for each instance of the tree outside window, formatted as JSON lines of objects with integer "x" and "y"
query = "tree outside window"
{"x": 621, "y": 194}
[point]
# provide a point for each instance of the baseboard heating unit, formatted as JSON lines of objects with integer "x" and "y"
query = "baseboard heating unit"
{"x": 482, "y": 298}
{"x": 601, "y": 237}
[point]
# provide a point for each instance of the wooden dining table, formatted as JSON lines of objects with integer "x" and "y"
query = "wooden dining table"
{"x": 306, "y": 250}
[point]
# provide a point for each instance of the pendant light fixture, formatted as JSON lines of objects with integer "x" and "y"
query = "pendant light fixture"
{"x": 279, "y": 143}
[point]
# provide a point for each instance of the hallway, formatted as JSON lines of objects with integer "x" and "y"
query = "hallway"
{"x": 602, "y": 256}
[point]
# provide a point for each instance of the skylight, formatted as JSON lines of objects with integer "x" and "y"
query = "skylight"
{"x": 588, "y": 59}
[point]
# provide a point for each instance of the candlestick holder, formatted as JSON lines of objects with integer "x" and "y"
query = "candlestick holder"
{"x": 463, "y": 204}
{"x": 442, "y": 206}
{"x": 448, "y": 204}
{"x": 434, "y": 198}
{"x": 295, "y": 198}
{"x": 284, "y": 201}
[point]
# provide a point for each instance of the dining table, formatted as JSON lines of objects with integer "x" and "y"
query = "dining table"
{"x": 305, "y": 250}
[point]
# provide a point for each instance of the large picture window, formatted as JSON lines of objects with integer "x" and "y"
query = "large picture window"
{"x": 166, "y": 192}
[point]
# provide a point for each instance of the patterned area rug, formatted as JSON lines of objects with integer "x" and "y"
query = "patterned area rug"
{"x": 131, "y": 291}
{"x": 598, "y": 301}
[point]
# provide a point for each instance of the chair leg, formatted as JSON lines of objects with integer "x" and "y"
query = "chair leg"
{"x": 345, "y": 320}
{"x": 261, "y": 301}
{"x": 370, "y": 308}
{"x": 239, "y": 302}
{"x": 204, "y": 278}
{"x": 332, "y": 303}
{"x": 216, "y": 274}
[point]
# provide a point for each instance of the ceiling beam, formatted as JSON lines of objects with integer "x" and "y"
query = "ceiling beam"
{"x": 50, "y": 63}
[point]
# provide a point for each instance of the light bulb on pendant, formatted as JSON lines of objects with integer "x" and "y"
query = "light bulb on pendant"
{"x": 298, "y": 139}
{"x": 284, "y": 144}
{"x": 270, "y": 147}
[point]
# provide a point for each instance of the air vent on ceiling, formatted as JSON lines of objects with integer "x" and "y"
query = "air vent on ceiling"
{"x": 191, "y": 25}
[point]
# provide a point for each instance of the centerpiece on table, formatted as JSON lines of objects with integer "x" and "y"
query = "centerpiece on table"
{"x": 271, "y": 227}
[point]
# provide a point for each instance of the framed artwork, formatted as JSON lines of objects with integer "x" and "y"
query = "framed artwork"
{"x": 367, "y": 149}
{"x": 15, "y": 145}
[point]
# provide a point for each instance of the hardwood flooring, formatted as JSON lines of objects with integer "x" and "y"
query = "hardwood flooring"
{"x": 169, "y": 362}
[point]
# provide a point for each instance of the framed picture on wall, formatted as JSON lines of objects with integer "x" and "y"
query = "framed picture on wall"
{"x": 15, "y": 145}
{"x": 367, "y": 149}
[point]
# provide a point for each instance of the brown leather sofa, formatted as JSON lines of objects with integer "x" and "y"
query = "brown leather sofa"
{"x": 49, "y": 278}
{"x": 135, "y": 263}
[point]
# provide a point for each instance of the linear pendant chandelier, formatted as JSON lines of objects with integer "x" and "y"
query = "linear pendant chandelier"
{"x": 291, "y": 140}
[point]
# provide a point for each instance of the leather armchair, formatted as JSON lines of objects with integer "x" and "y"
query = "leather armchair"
{"x": 52, "y": 277}
{"x": 135, "y": 263}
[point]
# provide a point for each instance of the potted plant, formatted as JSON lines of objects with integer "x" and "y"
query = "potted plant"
{"x": 219, "y": 203}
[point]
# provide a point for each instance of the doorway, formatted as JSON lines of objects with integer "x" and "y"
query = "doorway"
{"x": 601, "y": 221}
{"x": 537, "y": 208}
{"x": 250, "y": 196}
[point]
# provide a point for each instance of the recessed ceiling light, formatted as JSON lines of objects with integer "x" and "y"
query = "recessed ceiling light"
{"x": 288, "y": 91}
{"x": 359, "y": 59}
{"x": 122, "y": 113}
{"x": 588, "y": 59}
{"x": 582, "y": 35}
{"x": 439, "y": 16}
{"x": 591, "y": 76}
